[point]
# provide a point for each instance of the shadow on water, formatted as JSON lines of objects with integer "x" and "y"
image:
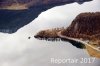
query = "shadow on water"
{"x": 74, "y": 43}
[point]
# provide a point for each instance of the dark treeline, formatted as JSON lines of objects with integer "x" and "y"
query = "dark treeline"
{"x": 49, "y": 33}
{"x": 50, "y": 39}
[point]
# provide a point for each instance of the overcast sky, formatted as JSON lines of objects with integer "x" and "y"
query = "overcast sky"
{"x": 17, "y": 50}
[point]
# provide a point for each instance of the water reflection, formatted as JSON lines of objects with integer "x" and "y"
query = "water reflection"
{"x": 74, "y": 43}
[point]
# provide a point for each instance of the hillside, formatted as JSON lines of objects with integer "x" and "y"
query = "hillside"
{"x": 84, "y": 32}
{"x": 85, "y": 25}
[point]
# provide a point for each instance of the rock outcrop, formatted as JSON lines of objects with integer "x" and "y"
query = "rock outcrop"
{"x": 85, "y": 25}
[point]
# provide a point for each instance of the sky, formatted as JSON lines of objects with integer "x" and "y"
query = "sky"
{"x": 17, "y": 50}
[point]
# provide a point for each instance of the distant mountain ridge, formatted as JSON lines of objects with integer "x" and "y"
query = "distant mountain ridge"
{"x": 12, "y": 19}
{"x": 28, "y": 3}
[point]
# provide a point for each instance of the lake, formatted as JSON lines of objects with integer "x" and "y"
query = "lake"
{"x": 17, "y": 50}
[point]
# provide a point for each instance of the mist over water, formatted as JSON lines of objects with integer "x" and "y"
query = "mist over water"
{"x": 17, "y": 50}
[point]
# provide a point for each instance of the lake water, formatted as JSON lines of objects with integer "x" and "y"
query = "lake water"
{"x": 17, "y": 50}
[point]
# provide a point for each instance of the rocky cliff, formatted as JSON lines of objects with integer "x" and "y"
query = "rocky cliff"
{"x": 84, "y": 25}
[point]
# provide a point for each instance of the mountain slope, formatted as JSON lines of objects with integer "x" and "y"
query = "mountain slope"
{"x": 84, "y": 25}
